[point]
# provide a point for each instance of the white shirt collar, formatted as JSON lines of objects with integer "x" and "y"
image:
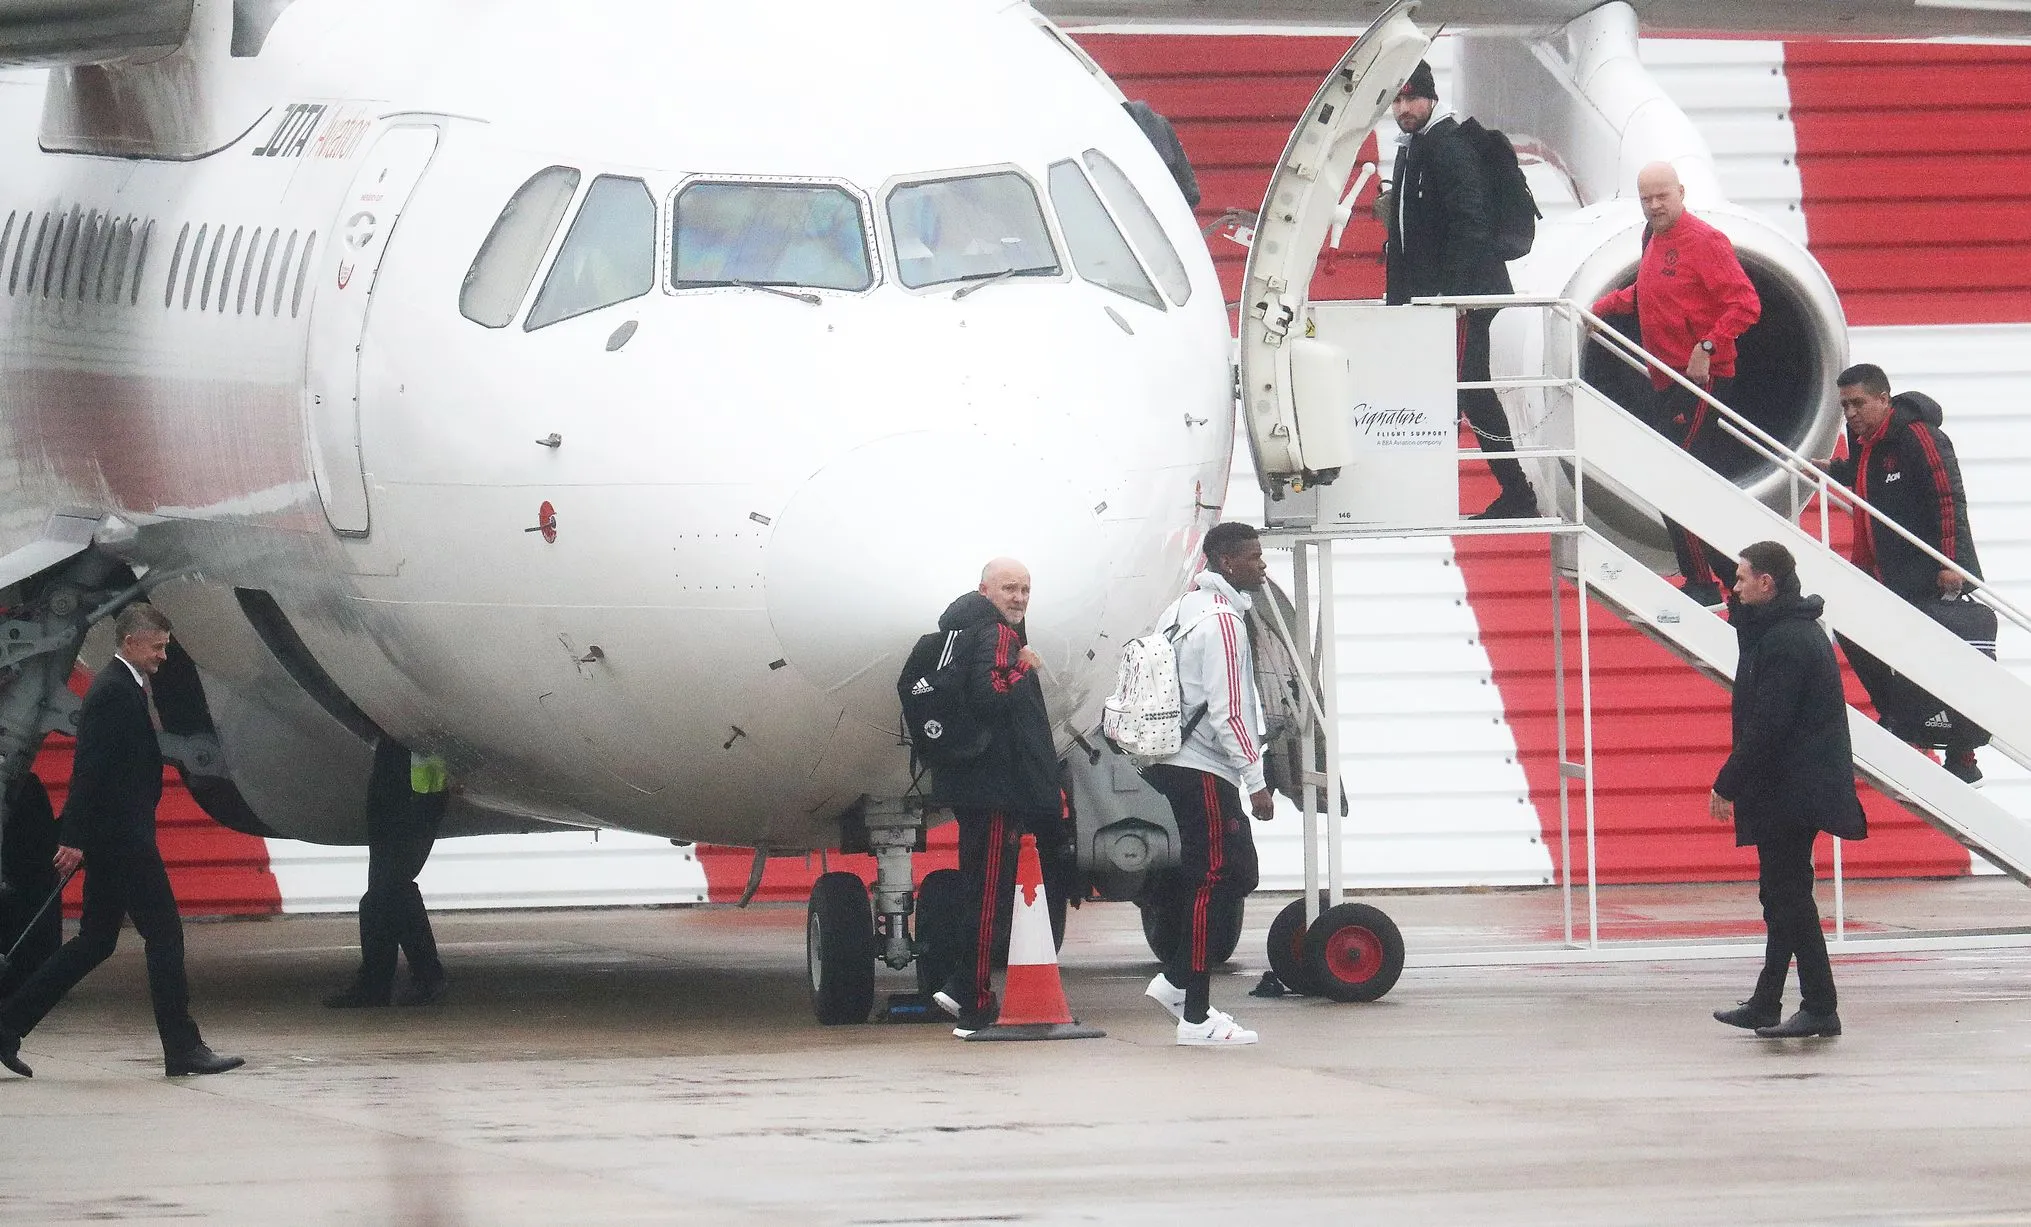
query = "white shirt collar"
{"x": 139, "y": 679}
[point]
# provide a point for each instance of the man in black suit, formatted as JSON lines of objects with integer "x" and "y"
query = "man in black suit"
{"x": 108, "y": 826}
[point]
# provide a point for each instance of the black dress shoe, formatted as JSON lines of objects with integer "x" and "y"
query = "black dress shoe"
{"x": 10, "y": 1054}
{"x": 199, "y": 1060}
{"x": 357, "y": 997}
{"x": 422, "y": 990}
{"x": 1510, "y": 505}
{"x": 1804, "y": 1025}
{"x": 1749, "y": 1016}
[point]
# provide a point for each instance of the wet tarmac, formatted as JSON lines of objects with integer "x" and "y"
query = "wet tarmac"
{"x": 660, "y": 1066}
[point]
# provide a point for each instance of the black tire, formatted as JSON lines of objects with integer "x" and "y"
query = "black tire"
{"x": 1163, "y": 935}
{"x": 839, "y": 949}
{"x": 941, "y": 919}
{"x": 1287, "y": 948}
{"x": 1354, "y": 953}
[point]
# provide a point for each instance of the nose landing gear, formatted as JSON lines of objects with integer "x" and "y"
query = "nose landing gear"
{"x": 846, "y": 930}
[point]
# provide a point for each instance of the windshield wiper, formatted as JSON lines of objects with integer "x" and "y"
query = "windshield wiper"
{"x": 980, "y": 281}
{"x": 800, "y": 295}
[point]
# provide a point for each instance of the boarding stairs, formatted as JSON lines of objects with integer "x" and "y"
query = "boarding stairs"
{"x": 1611, "y": 444}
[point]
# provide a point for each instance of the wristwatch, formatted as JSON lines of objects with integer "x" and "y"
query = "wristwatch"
{"x": 1707, "y": 345}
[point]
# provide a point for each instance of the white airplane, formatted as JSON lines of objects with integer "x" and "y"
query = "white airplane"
{"x": 601, "y": 397}
{"x": 604, "y": 396}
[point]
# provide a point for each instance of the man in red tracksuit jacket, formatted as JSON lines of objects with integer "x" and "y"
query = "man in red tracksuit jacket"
{"x": 1692, "y": 301}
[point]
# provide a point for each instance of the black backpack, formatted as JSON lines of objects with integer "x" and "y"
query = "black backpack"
{"x": 939, "y": 724}
{"x": 1515, "y": 208}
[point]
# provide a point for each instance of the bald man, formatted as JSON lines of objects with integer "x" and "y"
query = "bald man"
{"x": 1009, "y": 788}
{"x": 1692, "y": 301}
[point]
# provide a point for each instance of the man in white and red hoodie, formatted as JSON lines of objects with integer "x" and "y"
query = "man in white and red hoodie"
{"x": 1220, "y": 760}
{"x": 1692, "y": 301}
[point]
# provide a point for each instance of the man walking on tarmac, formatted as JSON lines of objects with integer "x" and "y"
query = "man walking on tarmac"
{"x": 1010, "y": 788}
{"x": 1220, "y": 759}
{"x": 1902, "y": 463}
{"x": 108, "y": 826}
{"x": 1789, "y": 776}
{"x": 1440, "y": 213}
{"x": 1691, "y": 301}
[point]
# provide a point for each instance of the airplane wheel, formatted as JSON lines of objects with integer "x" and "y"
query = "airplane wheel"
{"x": 839, "y": 949}
{"x": 1287, "y": 948}
{"x": 1163, "y": 935}
{"x": 1354, "y": 953}
{"x": 941, "y": 917}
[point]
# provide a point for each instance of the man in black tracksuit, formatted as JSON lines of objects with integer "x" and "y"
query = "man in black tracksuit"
{"x": 1441, "y": 217}
{"x": 1010, "y": 788}
{"x": 1900, "y": 462}
{"x": 1790, "y": 775}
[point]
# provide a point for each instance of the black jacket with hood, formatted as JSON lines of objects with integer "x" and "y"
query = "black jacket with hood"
{"x": 1442, "y": 219}
{"x": 1018, "y": 772}
{"x": 1792, "y": 768}
{"x": 1910, "y": 474}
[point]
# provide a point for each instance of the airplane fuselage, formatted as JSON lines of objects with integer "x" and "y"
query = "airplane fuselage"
{"x": 652, "y": 563}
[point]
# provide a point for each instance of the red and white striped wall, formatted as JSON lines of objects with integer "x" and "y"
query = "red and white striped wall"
{"x": 1907, "y": 167}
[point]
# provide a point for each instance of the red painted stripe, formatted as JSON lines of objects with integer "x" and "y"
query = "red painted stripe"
{"x": 1916, "y": 166}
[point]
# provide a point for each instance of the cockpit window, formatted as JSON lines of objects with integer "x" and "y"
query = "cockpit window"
{"x": 970, "y": 228}
{"x": 1143, "y": 226}
{"x": 507, "y": 261}
{"x": 609, "y": 254}
{"x": 810, "y": 235}
{"x": 1099, "y": 252}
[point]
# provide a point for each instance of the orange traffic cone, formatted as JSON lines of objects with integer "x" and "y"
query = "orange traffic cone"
{"x": 1033, "y": 999}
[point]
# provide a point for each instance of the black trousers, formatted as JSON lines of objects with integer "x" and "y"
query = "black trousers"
{"x": 989, "y": 843}
{"x": 131, "y": 884}
{"x": 1902, "y": 705}
{"x": 1688, "y": 421}
{"x": 401, "y": 831}
{"x": 1217, "y": 870}
{"x": 1482, "y": 407}
{"x": 1791, "y": 924}
{"x": 27, "y": 845}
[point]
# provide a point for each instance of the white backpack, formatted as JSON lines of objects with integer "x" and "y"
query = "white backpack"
{"x": 1145, "y": 716}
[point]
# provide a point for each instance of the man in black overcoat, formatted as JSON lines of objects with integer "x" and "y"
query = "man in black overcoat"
{"x": 108, "y": 827}
{"x": 1440, "y": 214}
{"x": 1790, "y": 775}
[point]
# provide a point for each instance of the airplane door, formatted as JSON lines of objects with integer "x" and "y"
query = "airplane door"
{"x": 345, "y": 292}
{"x": 1299, "y": 213}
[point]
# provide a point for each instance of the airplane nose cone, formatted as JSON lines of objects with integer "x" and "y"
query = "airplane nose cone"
{"x": 875, "y": 546}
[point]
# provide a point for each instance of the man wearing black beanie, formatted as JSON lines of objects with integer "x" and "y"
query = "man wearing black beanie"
{"x": 1441, "y": 217}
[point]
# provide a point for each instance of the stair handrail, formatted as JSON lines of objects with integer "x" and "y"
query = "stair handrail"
{"x": 1601, "y": 333}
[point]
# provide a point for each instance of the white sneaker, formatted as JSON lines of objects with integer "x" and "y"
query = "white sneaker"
{"x": 1167, "y": 995}
{"x": 1218, "y": 1031}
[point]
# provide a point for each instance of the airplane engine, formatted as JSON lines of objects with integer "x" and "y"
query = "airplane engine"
{"x": 1587, "y": 116}
{"x": 1786, "y": 365}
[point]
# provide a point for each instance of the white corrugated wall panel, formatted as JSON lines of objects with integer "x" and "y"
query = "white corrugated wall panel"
{"x": 561, "y": 869}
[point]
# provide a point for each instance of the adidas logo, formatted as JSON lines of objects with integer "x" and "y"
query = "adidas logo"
{"x": 923, "y": 686}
